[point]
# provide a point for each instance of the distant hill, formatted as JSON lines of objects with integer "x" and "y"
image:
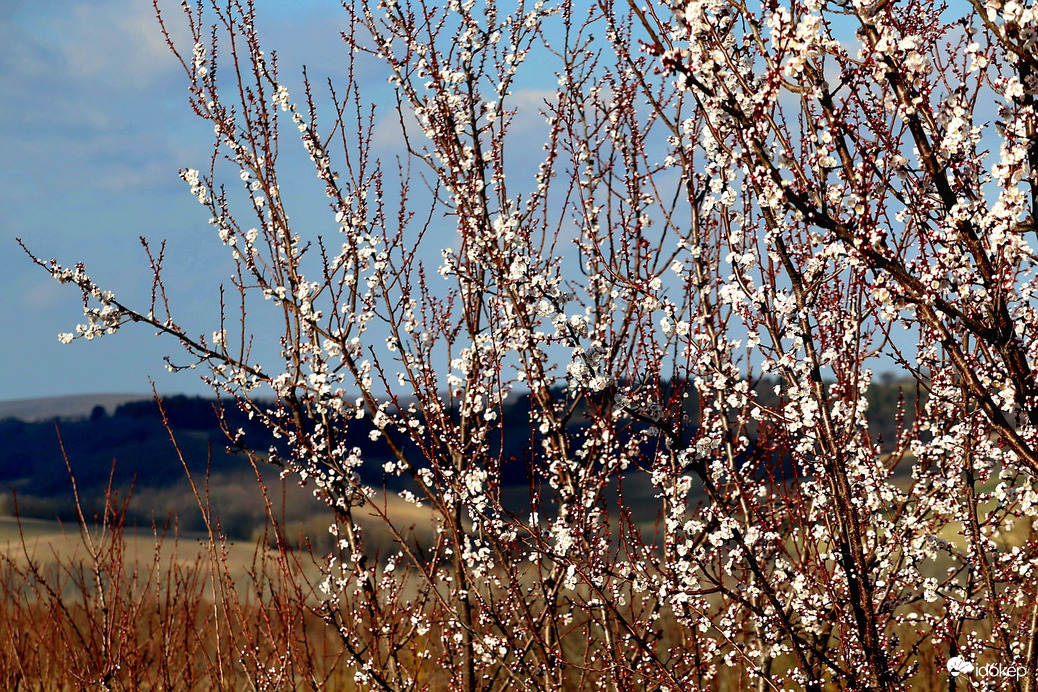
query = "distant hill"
{"x": 63, "y": 407}
{"x": 127, "y": 429}
{"x": 133, "y": 435}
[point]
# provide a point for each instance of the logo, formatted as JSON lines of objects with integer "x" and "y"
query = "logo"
{"x": 957, "y": 665}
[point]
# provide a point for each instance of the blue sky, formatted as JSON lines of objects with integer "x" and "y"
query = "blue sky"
{"x": 93, "y": 130}
{"x": 92, "y": 142}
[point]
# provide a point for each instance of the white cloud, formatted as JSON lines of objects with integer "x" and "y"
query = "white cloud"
{"x": 117, "y": 41}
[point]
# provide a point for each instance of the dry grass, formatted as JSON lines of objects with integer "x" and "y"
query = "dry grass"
{"x": 95, "y": 607}
{"x": 100, "y": 604}
{"x": 103, "y": 605}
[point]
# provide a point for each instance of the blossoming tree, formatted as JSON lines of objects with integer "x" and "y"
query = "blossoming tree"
{"x": 740, "y": 213}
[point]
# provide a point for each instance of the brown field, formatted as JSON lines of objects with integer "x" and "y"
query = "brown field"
{"x": 117, "y": 607}
{"x": 114, "y": 607}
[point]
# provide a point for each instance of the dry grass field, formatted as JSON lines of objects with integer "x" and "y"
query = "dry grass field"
{"x": 107, "y": 606}
{"x": 101, "y": 604}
